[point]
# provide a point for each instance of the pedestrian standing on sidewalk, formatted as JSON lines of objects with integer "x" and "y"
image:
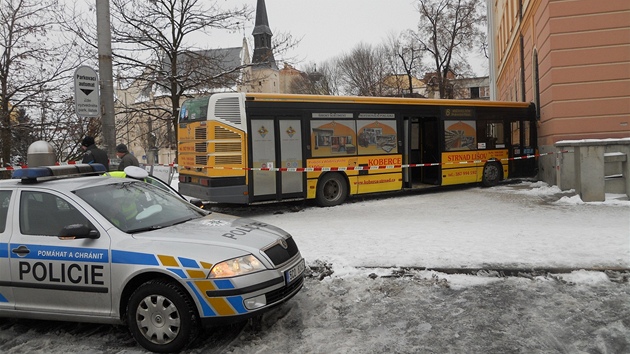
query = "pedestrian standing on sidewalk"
{"x": 93, "y": 154}
{"x": 126, "y": 159}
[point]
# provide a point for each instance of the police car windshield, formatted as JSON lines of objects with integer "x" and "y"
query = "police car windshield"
{"x": 135, "y": 206}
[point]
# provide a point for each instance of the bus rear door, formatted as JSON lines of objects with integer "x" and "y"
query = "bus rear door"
{"x": 276, "y": 143}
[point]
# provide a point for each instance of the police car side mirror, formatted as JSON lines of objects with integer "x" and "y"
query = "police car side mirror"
{"x": 76, "y": 231}
{"x": 197, "y": 202}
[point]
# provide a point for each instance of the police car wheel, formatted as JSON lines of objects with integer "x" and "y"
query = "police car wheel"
{"x": 161, "y": 316}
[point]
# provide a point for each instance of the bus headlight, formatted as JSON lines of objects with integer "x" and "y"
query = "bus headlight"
{"x": 236, "y": 266}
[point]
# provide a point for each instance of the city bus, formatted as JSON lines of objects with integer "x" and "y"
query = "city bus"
{"x": 249, "y": 148}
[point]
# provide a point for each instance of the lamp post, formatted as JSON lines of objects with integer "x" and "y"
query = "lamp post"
{"x": 104, "y": 37}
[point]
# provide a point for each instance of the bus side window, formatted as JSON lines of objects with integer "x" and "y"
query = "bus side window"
{"x": 494, "y": 135}
{"x": 515, "y": 131}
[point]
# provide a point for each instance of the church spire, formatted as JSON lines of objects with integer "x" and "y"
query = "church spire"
{"x": 263, "y": 53}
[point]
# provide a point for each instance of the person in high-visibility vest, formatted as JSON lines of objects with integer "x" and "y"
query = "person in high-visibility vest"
{"x": 124, "y": 210}
{"x": 128, "y": 211}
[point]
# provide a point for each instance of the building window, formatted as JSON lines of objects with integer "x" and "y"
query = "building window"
{"x": 474, "y": 92}
{"x": 536, "y": 78}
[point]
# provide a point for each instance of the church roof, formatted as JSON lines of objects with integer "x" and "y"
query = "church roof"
{"x": 262, "y": 21}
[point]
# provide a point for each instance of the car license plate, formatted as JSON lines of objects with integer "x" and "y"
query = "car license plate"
{"x": 293, "y": 273}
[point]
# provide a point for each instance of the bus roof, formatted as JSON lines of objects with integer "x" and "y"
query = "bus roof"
{"x": 271, "y": 97}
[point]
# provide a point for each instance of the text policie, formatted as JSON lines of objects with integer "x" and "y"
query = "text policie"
{"x": 75, "y": 273}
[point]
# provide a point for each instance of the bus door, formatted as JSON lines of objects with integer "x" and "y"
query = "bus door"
{"x": 276, "y": 142}
{"x": 413, "y": 151}
{"x": 422, "y": 147}
{"x": 429, "y": 142}
{"x": 522, "y": 138}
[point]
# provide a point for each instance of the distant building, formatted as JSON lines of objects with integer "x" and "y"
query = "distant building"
{"x": 289, "y": 74}
{"x": 475, "y": 88}
{"x": 400, "y": 86}
{"x": 572, "y": 59}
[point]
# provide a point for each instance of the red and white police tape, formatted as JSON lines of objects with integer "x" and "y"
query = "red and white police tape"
{"x": 324, "y": 169}
{"x": 365, "y": 168}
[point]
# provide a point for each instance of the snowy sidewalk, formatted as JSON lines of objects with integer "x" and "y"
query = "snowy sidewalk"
{"x": 513, "y": 226}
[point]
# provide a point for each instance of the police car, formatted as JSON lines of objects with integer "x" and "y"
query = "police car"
{"x": 79, "y": 246}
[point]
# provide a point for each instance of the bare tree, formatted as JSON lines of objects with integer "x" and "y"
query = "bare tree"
{"x": 405, "y": 60}
{"x": 317, "y": 82}
{"x": 21, "y": 136}
{"x": 58, "y": 124}
{"x": 448, "y": 29}
{"x": 163, "y": 54}
{"x": 390, "y": 69}
{"x": 155, "y": 50}
{"x": 363, "y": 70}
{"x": 146, "y": 124}
{"x": 36, "y": 61}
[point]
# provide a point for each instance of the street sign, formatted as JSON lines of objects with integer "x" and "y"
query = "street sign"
{"x": 86, "y": 94}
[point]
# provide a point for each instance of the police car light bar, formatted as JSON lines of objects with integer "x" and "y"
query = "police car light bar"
{"x": 34, "y": 174}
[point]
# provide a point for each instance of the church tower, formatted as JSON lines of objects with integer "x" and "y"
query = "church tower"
{"x": 265, "y": 73}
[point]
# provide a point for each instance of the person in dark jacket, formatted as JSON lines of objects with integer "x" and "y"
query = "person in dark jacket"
{"x": 93, "y": 154}
{"x": 126, "y": 159}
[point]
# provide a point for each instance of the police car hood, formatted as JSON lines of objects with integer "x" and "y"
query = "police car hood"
{"x": 221, "y": 230}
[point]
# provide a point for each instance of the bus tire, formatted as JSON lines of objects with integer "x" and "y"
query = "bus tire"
{"x": 162, "y": 317}
{"x": 332, "y": 190}
{"x": 492, "y": 174}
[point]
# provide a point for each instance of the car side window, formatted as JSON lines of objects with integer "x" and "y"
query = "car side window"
{"x": 46, "y": 214}
{"x": 5, "y": 198}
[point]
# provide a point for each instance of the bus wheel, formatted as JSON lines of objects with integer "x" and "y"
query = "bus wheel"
{"x": 491, "y": 174}
{"x": 162, "y": 317}
{"x": 331, "y": 190}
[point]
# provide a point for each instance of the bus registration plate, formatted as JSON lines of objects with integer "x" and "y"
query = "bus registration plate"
{"x": 293, "y": 273}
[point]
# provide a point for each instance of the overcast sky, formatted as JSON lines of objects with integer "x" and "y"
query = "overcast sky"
{"x": 329, "y": 28}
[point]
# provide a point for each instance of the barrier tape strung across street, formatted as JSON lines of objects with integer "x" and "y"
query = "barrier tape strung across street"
{"x": 327, "y": 169}
{"x": 13, "y": 168}
{"x": 368, "y": 167}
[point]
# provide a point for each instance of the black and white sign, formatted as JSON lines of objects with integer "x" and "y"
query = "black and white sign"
{"x": 86, "y": 92}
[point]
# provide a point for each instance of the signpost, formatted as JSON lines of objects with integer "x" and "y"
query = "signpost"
{"x": 86, "y": 92}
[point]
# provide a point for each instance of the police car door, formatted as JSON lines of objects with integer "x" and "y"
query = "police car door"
{"x": 6, "y": 291}
{"x": 53, "y": 274}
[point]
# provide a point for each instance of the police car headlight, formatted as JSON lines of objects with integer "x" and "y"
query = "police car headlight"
{"x": 236, "y": 266}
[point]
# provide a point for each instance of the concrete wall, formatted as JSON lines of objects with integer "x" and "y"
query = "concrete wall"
{"x": 547, "y": 171}
{"x": 594, "y": 167}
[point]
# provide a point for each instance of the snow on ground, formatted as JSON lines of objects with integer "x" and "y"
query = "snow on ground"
{"x": 362, "y": 308}
{"x": 526, "y": 225}
{"x": 373, "y": 286}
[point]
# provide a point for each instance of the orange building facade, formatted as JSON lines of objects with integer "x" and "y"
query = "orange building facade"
{"x": 572, "y": 59}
